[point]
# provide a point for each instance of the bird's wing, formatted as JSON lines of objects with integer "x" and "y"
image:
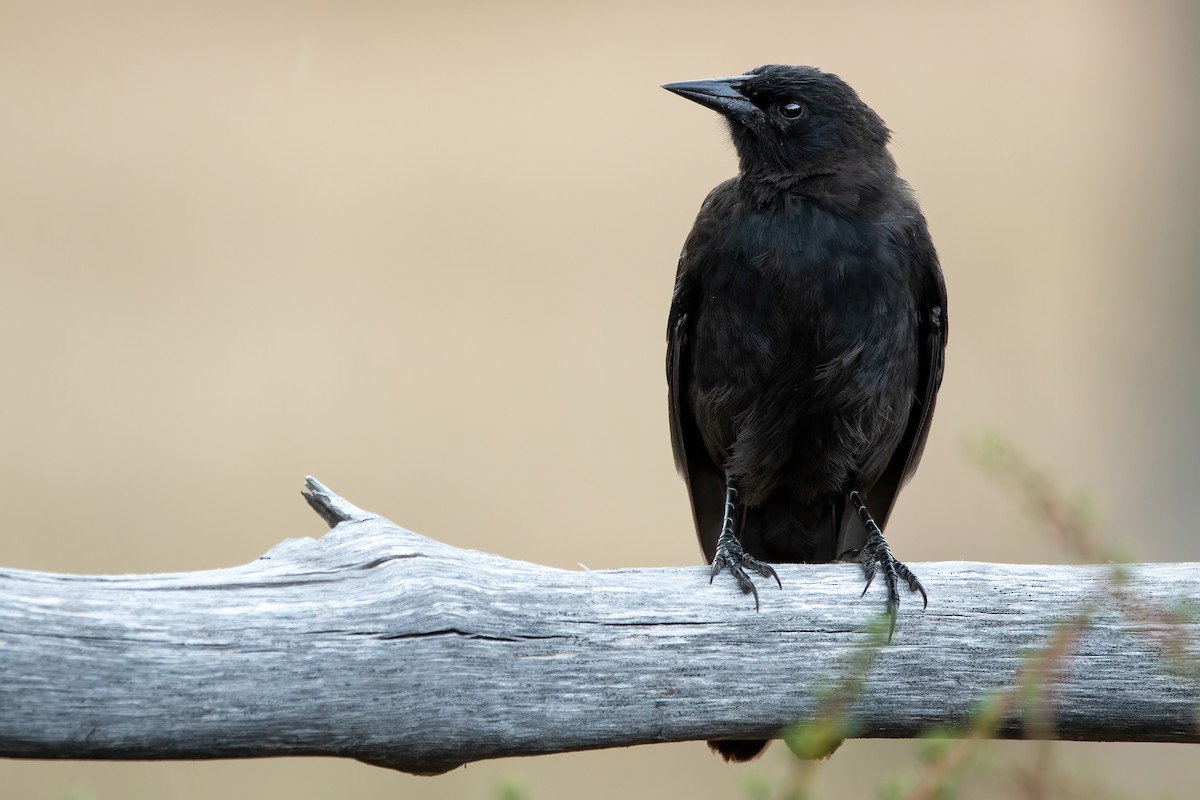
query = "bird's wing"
{"x": 916, "y": 246}
{"x": 704, "y": 480}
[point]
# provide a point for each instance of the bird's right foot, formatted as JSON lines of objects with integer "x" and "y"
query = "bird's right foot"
{"x": 732, "y": 556}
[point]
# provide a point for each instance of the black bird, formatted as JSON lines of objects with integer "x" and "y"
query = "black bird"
{"x": 806, "y": 336}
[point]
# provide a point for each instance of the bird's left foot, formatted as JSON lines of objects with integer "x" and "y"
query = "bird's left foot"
{"x": 875, "y": 556}
{"x": 876, "y": 551}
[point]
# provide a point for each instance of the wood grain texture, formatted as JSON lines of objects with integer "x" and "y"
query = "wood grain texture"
{"x": 377, "y": 643}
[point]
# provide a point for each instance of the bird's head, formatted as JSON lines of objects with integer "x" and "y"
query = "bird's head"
{"x": 792, "y": 121}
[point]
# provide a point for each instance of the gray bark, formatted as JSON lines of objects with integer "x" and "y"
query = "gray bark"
{"x": 377, "y": 643}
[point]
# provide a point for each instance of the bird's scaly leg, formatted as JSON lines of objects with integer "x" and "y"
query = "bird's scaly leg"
{"x": 876, "y": 551}
{"x": 730, "y": 553}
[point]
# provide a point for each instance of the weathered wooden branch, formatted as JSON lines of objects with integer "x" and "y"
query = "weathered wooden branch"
{"x": 376, "y": 643}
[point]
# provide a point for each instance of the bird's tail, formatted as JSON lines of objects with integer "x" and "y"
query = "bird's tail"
{"x": 790, "y": 530}
{"x": 739, "y": 749}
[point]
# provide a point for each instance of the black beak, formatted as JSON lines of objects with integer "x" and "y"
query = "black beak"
{"x": 719, "y": 94}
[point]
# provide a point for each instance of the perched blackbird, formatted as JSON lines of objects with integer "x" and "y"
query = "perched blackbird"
{"x": 806, "y": 336}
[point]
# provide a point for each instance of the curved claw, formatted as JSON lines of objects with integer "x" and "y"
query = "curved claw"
{"x": 914, "y": 585}
{"x": 767, "y": 571}
{"x": 717, "y": 566}
{"x": 744, "y": 581}
{"x": 869, "y": 569}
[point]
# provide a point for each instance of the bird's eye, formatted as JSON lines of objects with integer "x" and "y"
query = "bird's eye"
{"x": 792, "y": 110}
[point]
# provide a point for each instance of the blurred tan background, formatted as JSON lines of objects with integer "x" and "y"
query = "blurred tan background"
{"x": 425, "y": 251}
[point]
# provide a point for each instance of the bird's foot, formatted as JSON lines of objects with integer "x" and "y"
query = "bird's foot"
{"x": 874, "y": 556}
{"x": 730, "y": 555}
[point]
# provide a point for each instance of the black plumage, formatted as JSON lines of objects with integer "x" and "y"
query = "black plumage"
{"x": 806, "y": 335}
